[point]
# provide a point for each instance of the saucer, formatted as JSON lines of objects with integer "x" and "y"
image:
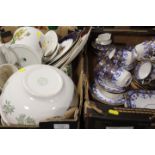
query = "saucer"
{"x": 105, "y": 97}
{"x": 51, "y": 41}
{"x": 143, "y": 70}
{"x": 48, "y": 59}
{"x": 148, "y": 82}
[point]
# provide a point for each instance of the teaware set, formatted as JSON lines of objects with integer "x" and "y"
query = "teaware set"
{"x": 124, "y": 75}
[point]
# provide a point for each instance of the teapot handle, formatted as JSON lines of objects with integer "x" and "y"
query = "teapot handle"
{"x": 9, "y": 55}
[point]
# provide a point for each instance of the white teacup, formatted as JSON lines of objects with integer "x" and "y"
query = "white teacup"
{"x": 121, "y": 77}
{"x": 6, "y": 71}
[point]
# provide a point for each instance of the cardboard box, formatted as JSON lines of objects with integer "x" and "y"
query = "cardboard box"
{"x": 71, "y": 119}
{"x": 99, "y": 115}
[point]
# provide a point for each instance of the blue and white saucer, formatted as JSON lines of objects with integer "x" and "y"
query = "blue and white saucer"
{"x": 102, "y": 96}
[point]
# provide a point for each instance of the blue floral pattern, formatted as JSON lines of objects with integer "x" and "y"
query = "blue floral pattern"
{"x": 133, "y": 95}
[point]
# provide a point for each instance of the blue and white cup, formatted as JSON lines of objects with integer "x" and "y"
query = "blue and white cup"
{"x": 121, "y": 77}
{"x": 144, "y": 50}
{"x": 128, "y": 57}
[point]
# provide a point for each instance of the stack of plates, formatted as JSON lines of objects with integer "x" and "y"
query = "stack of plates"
{"x": 60, "y": 53}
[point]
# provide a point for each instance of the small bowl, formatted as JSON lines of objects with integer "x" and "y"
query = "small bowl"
{"x": 35, "y": 93}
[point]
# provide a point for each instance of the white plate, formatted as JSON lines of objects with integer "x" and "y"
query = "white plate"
{"x": 51, "y": 41}
{"x": 60, "y": 62}
{"x": 63, "y": 49}
{"x": 78, "y": 47}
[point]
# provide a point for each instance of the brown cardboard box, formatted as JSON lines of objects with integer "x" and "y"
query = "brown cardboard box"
{"x": 71, "y": 118}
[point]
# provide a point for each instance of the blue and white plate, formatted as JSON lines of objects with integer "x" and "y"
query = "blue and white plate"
{"x": 141, "y": 99}
{"x": 105, "y": 97}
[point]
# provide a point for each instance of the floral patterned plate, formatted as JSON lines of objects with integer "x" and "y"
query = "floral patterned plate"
{"x": 105, "y": 97}
{"x": 141, "y": 99}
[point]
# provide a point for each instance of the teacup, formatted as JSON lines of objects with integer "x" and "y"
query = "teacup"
{"x": 128, "y": 57}
{"x": 121, "y": 77}
{"x": 6, "y": 71}
{"x": 124, "y": 58}
{"x": 143, "y": 50}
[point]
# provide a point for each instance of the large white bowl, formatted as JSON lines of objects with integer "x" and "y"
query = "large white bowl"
{"x": 34, "y": 94}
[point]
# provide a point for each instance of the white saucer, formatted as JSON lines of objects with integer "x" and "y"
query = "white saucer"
{"x": 48, "y": 59}
{"x": 51, "y": 41}
{"x": 143, "y": 70}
